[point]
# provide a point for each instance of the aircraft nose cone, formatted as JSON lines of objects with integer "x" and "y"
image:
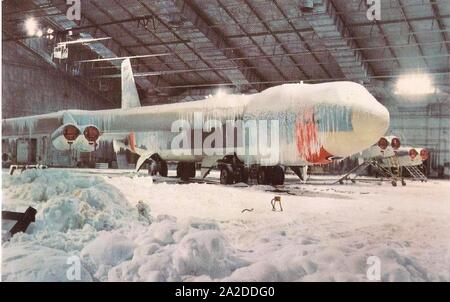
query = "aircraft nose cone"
{"x": 369, "y": 121}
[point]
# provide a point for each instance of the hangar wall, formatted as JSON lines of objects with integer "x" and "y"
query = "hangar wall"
{"x": 31, "y": 86}
{"x": 425, "y": 125}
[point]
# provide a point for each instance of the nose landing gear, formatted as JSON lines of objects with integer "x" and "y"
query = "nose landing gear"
{"x": 157, "y": 166}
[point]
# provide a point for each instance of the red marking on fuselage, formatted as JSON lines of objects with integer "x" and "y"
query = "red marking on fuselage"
{"x": 132, "y": 141}
{"x": 308, "y": 145}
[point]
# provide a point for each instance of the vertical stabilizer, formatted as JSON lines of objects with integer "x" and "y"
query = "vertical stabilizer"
{"x": 130, "y": 97}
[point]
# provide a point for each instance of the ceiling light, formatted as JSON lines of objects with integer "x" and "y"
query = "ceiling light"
{"x": 307, "y": 6}
{"x": 414, "y": 84}
{"x": 39, "y": 33}
{"x": 31, "y": 26}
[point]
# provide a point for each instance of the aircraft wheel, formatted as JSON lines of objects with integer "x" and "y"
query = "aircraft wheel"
{"x": 163, "y": 171}
{"x": 261, "y": 177}
{"x": 277, "y": 176}
{"x": 394, "y": 183}
{"x": 244, "y": 175}
{"x": 403, "y": 183}
{"x": 226, "y": 176}
{"x": 152, "y": 168}
{"x": 185, "y": 170}
{"x": 191, "y": 169}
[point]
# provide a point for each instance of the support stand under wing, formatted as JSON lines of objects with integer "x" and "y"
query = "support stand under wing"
{"x": 358, "y": 170}
{"x": 416, "y": 174}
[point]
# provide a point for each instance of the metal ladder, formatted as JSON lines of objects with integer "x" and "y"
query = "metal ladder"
{"x": 416, "y": 174}
{"x": 366, "y": 164}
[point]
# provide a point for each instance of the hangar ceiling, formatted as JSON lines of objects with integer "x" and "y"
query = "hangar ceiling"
{"x": 241, "y": 45}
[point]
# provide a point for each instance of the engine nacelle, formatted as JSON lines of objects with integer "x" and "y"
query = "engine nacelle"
{"x": 65, "y": 136}
{"x": 424, "y": 154}
{"x": 68, "y": 137}
{"x": 387, "y": 146}
{"x": 88, "y": 141}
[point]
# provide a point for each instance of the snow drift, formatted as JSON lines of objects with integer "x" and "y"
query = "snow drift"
{"x": 205, "y": 237}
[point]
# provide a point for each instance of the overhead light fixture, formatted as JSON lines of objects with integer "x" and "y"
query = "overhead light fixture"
{"x": 39, "y": 33}
{"x": 414, "y": 84}
{"x": 307, "y": 6}
{"x": 31, "y": 26}
{"x": 49, "y": 34}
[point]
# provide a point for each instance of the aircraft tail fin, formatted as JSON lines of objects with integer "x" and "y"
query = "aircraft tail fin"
{"x": 130, "y": 96}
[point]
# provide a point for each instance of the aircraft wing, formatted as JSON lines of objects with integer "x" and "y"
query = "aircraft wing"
{"x": 33, "y": 125}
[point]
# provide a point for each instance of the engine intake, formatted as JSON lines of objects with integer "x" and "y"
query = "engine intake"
{"x": 424, "y": 154}
{"x": 71, "y": 133}
{"x": 413, "y": 153}
{"x": 395, "y": 143}
{"x": 91, "y": 134}
{"x": 383, "y": 143}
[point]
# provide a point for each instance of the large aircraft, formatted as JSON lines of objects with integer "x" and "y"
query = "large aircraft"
{"x": 293, "y": 125}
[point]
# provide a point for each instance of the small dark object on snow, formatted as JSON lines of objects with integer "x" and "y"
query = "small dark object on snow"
{"x": 274, "y": 201}
{"x": 247, "y": 210}
{"x": 143, "y": 211}
{"x": 23, "y": 219}
{"x": 22, "y": 168}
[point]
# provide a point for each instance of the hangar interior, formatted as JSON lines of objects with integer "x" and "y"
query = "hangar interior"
{"x": 186, "y": 50}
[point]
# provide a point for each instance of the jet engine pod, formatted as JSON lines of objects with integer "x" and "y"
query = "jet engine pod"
{"x": 388, "y": 145}
{"x": 413, "y": 153}
{"x": 71, "y": 132}
{"x": 88, "y": 141}
{"x": 91, "y": 134}
{"x": 395, "y": 143}
{"x": 383, "y": 143}
{"x": 424, "y": 154}
{"x": 65, "y": 136}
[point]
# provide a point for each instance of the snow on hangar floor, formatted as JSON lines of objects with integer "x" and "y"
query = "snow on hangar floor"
{"x": 199, "y": 233}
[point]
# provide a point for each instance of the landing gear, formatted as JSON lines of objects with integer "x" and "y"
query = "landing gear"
{"x": 232, "y": 170}
{"x": 185, "y": 170}
{"x": 162, "y": 168}
{"x": 277, "y": 176}
{"x": 157, "y": 166}
{"x": 270, "y": 175}
{"x": 263, "y": 176}
{"x": 226, "y": 175}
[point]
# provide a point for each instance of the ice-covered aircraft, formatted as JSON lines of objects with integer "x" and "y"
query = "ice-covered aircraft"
{"x": 307, "y": 124}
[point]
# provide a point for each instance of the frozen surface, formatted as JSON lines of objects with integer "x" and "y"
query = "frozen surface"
{"x": 198, "y": 232}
